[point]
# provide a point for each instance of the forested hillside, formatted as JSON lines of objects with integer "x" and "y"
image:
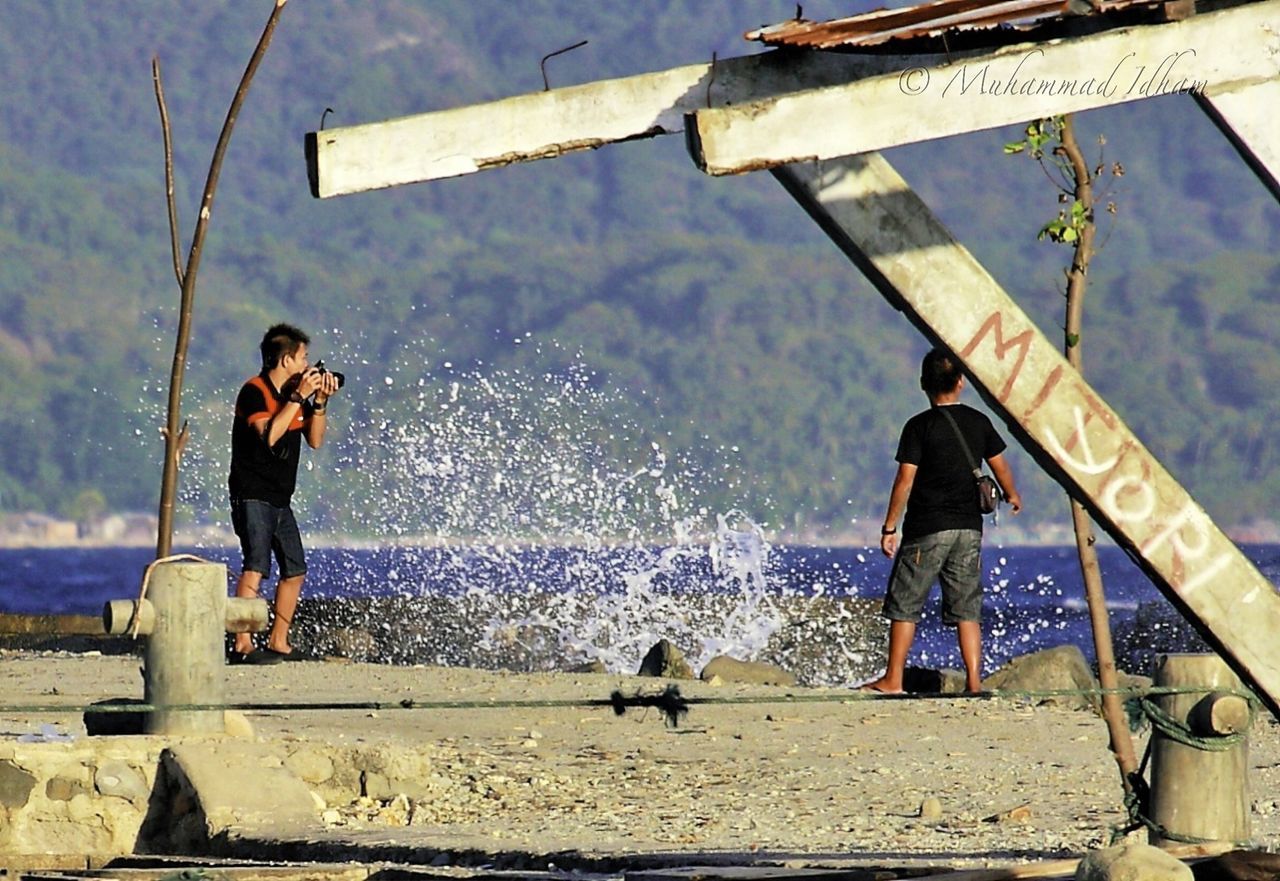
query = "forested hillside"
{"x": 530, "y": 348}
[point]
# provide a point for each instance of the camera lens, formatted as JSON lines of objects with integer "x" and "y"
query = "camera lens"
{"x": 341, "y": 378}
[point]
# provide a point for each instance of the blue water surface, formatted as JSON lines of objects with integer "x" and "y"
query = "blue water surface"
{"x": 1034, "y": 597}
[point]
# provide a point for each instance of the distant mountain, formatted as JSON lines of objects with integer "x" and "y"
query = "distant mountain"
{"x": 605, "y": 343}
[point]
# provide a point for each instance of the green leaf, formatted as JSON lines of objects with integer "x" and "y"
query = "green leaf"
{"x": 1015, "y": 147}
{"x": 1073, "y": 340}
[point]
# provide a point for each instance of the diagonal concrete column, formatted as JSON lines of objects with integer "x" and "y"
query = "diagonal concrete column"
{"x": 875, "y": 218}
{"x": 1247, "y": 116}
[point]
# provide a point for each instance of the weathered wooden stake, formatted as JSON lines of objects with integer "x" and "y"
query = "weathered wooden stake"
{"x": 1197, "y": 793}
{"x": 186, "y": 616}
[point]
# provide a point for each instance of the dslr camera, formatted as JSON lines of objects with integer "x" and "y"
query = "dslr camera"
{"x": 341, "y": 378}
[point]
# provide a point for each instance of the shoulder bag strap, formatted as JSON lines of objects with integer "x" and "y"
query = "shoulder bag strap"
{"x": 977, "y": 471}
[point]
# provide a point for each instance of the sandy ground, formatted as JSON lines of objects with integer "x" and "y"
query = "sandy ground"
{"x": 810, "y": 772}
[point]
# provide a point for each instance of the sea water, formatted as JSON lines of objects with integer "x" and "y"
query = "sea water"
{"x": 733, "y": 595}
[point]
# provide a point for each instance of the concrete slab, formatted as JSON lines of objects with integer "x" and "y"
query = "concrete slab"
{"x": 235, "y": 788}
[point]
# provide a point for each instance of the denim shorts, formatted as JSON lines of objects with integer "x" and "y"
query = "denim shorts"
{"x": 265, "y": 530}
{"x": 954, "y": 558}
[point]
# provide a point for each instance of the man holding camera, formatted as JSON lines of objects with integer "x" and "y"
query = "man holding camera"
{"x": 275, "y": 410}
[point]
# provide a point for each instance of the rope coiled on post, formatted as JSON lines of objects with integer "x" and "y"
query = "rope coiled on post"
{"x": 1182, "y": 733}
{"x": 1137, "y": 800}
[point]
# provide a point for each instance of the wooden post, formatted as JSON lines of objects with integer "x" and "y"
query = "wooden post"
{"x": 1197, "y": 793}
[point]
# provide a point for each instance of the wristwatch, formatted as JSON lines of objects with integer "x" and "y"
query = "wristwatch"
{"x": 884, "y": 530}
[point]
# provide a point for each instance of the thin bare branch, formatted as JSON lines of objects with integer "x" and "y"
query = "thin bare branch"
{"x": 1061, "y": 181}
{"x": 174, "y": 244}
{"x": 173, "y": 440}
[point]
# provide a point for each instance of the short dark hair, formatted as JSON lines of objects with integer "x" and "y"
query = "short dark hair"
{"x": 939, "y": 373}
{"x": 281, "y": 340}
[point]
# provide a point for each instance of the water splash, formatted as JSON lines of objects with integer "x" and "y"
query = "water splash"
{"x": 535, "y": 520}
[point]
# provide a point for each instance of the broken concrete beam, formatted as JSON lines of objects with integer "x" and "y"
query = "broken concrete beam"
{"x": 919, "y": 102}
{"x": 542, "y": 125}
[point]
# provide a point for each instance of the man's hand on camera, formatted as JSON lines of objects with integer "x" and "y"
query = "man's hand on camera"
{"x": 309, "y": 382}
{"x": 328, "y": 386}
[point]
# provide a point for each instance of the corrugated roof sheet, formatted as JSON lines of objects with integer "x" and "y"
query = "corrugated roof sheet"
{"x": 935, "y": 19}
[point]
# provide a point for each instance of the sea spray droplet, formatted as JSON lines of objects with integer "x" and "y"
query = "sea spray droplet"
{"x": 532, "y": 524}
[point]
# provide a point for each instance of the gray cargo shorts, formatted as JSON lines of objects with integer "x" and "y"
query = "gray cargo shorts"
{"x": 954, "y": 558}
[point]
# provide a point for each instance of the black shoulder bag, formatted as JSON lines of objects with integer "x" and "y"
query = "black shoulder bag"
{"x": 989, "y": 495}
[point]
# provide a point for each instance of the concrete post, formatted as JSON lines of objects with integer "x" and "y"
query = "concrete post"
{"x": 186, "y": 615}
{"x": 185, "y": 655}
{"x": 1197, "y": 793}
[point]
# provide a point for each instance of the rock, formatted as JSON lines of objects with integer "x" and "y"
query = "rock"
{"x": 921, "y": 680}
{"x": 665, "y": 661}
{"x": 931, "y": 809}
{"x": 311, "y": 765}
{"x": 216, "y": 785}
{"x": 1156, "y": 628}
{"x": 396, "y": 811}
{"x": 1020, "y": 814}
{"x": 596, "y": 666}
{"x": 15, "y": 785}
{"x": 729, "y": 669}
{"x": 1239, "y": 865}
{"x": 386, "y": 772}
{"x": 1132, "y": 862}
{"x": 1133, "y": 681}
{"x": 524, "y": 646}
{"x": 1062, "y": 668}
{"x": 111, "y": 722}
{"x": 118, "y": 779}
{"x": 237, "y": 724}
{"x": 376, "y": 786}
{"x": 62, "y": 788}
{"x": 355, "y": 643}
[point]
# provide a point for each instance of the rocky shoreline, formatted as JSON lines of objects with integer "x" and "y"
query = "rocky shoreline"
{"x": 458, "y": 760}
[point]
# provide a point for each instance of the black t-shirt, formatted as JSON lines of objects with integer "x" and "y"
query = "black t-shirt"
{"x": 260, "y": 472}
{"x": 943, "y": 494}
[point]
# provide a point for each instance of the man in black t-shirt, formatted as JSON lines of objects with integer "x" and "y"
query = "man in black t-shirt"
{"x": 942, "y": 530}
{"x": 275, "y": 410}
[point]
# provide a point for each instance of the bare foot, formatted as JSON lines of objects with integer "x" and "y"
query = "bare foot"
{"x": 879, "y": 686}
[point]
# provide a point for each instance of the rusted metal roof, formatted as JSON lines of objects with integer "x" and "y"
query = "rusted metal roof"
{"x": 931, "y": 21}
